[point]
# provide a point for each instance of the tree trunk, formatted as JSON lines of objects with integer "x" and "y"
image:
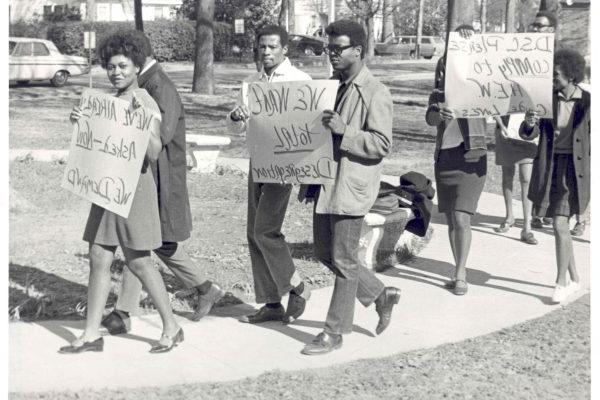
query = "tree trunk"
{"x": 387, "y": 26}
{"x": 370, "y": 24}
{"x": 203, "y": 65}
{"x": 459, "y": 12}
{"x": 283, "y": 12}
{"x": 291, "y": 13}
{"x": 554, "y": 7}
{"x": 483, "y": 15}
{"x": 510, "y": 16}
{"x": 137, "y": 9}
{"x": 419, "y": 29}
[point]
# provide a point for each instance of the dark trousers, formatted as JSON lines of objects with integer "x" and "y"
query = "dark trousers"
{"x": 272, "y": 266}
{"x": 336, "y": 240}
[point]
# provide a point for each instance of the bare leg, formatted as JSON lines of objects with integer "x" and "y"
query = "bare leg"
{"x": 140, "y": 264}
{"x": 508, "y": 174}
{"x": 451, "y": 229}
{"x": 524, "y": 178}
{"x": 101, "y": 257}
{"x": 462, "y": 238}
{"x": 564, "y": 250}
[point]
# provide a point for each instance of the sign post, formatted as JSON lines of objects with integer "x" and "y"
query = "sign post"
{"x": 89, "y": 43}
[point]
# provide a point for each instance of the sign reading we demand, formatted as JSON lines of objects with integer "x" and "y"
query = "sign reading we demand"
{"x": 499, "y": 74}
{"x": 108, "y": 146}
{"x": 286, "y": 138}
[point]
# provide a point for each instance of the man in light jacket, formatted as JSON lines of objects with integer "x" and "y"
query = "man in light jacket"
{"x": 272, "y": 266}
{"x": 361, "y": 126}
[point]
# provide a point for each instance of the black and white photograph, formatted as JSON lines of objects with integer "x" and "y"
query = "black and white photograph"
{"x": 299, "y": 199}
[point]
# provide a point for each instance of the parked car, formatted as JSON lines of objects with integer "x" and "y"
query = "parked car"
{"x": 32, "y": 59}
{"x": 407, "y": 46}
{"x": 309, "y": 45}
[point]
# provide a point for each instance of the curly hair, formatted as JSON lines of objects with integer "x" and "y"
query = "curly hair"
{"x": 125, "y": 44}
{"x": 571, "y": 63}
{"x": 273, "y": 30}
{"x": 352, "y": 29}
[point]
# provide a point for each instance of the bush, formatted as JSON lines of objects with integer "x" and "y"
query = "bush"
{"x": 171, "y": 40}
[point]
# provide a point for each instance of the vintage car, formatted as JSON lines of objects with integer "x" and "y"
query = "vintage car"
{"x": 32, "y": 59}
{"x": 406, "y": 46}
{"x": 309, "y": 45}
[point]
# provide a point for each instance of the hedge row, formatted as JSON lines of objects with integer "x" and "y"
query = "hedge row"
{"x": 171, "y": 40}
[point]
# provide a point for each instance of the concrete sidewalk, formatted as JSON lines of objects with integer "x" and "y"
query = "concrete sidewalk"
{"x": 509, "y": 282}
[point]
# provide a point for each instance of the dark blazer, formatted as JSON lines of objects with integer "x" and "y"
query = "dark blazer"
{"x": 170, "y": 169}
{"x": 543, "y": 164}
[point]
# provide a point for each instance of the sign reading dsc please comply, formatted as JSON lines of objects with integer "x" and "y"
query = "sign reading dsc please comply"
{"x": 286, "y": 138}
{"x": 499, "y": 74}
{"x": 108, "y": 146}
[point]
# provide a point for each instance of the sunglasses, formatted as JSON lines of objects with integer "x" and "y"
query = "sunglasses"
{"x": 537, "y": 25}
{"x": 335, "y": 49}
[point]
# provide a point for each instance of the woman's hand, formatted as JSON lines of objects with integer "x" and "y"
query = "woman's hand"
{"x": 531, "y": 118}
{"x": 76, "y": 113}
{"x": 447, "y": 114}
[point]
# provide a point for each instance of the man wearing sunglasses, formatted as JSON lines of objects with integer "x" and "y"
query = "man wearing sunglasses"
{"x": 361, "y": 127}
{"x": 544, "y": 22}
{"x": 272, "y": 266}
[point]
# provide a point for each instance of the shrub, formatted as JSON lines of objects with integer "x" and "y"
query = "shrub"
{"x": 29, "y": 29}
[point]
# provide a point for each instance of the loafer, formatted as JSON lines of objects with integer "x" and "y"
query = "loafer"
{"x": 384, "y": 305}
{"x": 560, "y": 293}
{"x": 172, "y": 341}
{"x": 96, "y": 345}
{"x": 537, "y": 223}
{"x": 264, "y": 314}
{"x": 296, "y": 305}
{"x": 578, "y": 229}
{"x": 527, "y": 237}
{"x": 205, "y": 302}
{"x": 322, "y": 344}
{"x": 117, "y": 322}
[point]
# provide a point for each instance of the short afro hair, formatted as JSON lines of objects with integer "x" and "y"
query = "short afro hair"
{"x": 130, "y": 46}
{"x": 550, "y": 15}
{"x": 273, "y": 30}
{"x": 571, "y": 63}
{"x": 353, "y": 30}
{"x": 142, "y": 38}
{"x": 465, "y": 27}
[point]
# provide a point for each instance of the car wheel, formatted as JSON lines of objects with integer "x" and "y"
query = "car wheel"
{"x": 22, "y": 83}
{"x": 428, "y": 57}
{"x": 60, "y": 78}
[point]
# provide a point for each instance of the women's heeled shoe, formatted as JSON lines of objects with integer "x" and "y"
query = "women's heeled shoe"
{"x": 174, "y": 341}
{"x": 97, "y": 346}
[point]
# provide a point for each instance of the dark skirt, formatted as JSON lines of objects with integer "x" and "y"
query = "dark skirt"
{"x": 459, "y": 183}
{"x": 563, "y": 191}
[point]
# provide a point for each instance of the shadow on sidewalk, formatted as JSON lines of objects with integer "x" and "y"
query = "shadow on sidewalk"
{"x": 437, "y": 273}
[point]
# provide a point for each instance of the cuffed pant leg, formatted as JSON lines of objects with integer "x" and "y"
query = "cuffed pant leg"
{"x": 179, "y": 262}
{"x": 129, "y": 296}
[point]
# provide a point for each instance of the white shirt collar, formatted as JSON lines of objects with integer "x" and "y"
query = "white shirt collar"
{"x": 281, "y": 69}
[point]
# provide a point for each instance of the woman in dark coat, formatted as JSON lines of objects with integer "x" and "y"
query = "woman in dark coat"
{"x": 560, "y": 183}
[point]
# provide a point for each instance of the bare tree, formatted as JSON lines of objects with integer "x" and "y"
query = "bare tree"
{"x": 203, "y": 64}
{"x": 483, "y": 15}
{"x": 459, "y": 12}
{"x": 419, "y": 29}
{"x": 387, "y": 11}
{"x": 366, "y": 10}
{"x": 137, "y": 8}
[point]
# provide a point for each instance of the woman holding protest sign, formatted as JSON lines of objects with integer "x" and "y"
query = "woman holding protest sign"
{"x": 123, "y": 57}
{"x": 560, "y": 182}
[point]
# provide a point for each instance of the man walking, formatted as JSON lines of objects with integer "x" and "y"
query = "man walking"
{"x": 272, "y": 266}
{"x": 174, "y": 206}
{"x": 361, "y": 126}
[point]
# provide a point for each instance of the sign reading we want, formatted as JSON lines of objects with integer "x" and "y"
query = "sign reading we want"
{"x": 108, "y": 146}
{"x": 499, "y": 74}
{"x": 286, "y": 138}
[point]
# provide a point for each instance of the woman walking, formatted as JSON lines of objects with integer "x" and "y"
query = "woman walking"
{"x": 123, "y": 57}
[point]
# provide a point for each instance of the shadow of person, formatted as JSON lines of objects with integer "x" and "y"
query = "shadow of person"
{"x": 437, "y": 273}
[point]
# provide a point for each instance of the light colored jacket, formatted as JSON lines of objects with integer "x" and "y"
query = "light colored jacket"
{"x": 366, "y": 108}
{"x": 285, "y": 72}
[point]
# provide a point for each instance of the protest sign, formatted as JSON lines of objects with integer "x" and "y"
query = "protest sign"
{"x": 108, "y": 146}
{"x": 286, "y": 138}
{"x": 499, "y": 74}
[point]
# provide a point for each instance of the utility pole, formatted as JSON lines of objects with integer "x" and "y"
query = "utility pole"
{"x": 137, "y": 12}
{"x": 483, "y": 15}
{"x": 510, "y": 16}
{"x": 419, "y": 30}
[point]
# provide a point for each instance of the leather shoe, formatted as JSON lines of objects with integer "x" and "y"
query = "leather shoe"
{"x": 384, "y": 305}
{"x": 296, "y": 305}
{"x": 205, "y": 302}
{"x": 265, "y": 314}
{"x": 172, "y": 341}
{"x": 117, "y": 322}
{"x": 322, "y": 344}
{"x": 97, "y": 345}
